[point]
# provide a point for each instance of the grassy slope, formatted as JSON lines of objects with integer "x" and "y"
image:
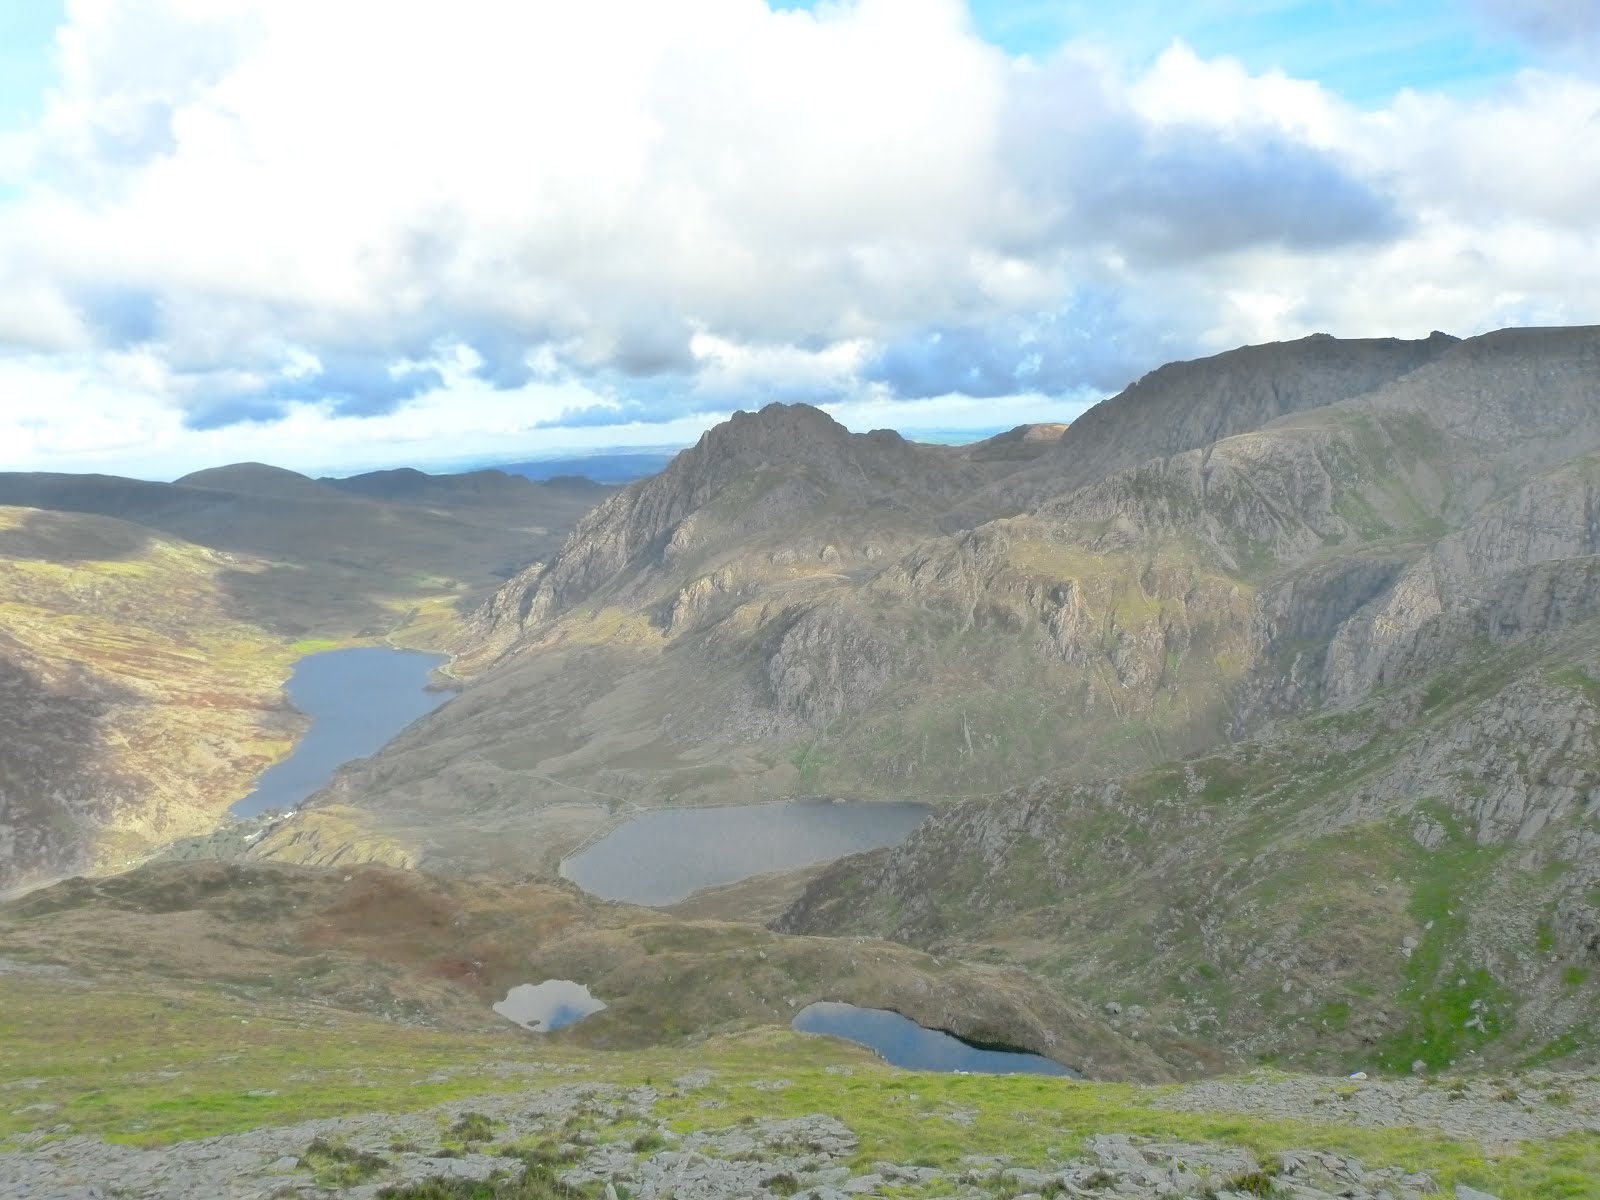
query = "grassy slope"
{"x": 324, "y": 563}
{"x": 153, "y": 1067}
{"x": 1261, "y": 898}
{"x": 439, "y": 951}
{"x": 174, "y": 701}
{"x": 148, "y": 667}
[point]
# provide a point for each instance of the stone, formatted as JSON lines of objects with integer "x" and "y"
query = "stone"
{"x": 863, "y": 1185}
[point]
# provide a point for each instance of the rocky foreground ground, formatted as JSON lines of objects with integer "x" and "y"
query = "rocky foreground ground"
{"x": 610, "y": 1143}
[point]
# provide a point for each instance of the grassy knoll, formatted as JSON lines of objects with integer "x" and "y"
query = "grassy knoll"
{"x": 155, "y": 1067}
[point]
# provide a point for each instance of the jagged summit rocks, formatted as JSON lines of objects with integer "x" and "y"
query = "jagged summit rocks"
{"x": 1375, "y": 552}
{"x": 756, "y": 475}
{"x": 1187, "y": 405}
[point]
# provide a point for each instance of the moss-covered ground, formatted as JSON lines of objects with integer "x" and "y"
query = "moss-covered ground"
{"x": 152, "y": 1068}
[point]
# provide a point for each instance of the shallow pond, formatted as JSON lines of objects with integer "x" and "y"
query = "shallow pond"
{"x": 661, "y": 856}
{"x": 553, "y": 1004}
{"x": 357, "y": 699}
{"x": 903, "y": 1043}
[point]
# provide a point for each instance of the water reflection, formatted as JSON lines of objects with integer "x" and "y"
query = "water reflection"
{"x": 661, "y": 856}
{"x": 548, "y": 1005}
{"x": 903, "y": 1043}
{"x": 357, "y": 699}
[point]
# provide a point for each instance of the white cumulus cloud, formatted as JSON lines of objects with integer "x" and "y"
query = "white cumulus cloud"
{"x": 365, "y": 233}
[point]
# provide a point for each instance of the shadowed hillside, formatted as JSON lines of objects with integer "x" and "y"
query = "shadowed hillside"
{"x": 134, "y": 704}
{"x": 335, "y": 562}
{"x": 141, "y": 654}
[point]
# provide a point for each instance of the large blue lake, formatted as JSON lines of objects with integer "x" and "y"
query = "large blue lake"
{"x": 662, "y": 855}
{"x": 358, "y": 699}
{"x": 901, "y": 1042}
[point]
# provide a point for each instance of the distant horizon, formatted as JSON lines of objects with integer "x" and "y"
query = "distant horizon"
{"x": 937, "y": 437}
{"x": 245, "y": 230}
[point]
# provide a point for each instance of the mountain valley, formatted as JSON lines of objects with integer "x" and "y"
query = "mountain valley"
{"x": 1285, "y": 738}
{"x": 148, "y": 628}
{"x": 1258, "y": 711}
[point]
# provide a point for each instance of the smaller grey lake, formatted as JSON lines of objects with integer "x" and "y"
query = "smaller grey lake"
{"x": 358, "y": 699}
{"x": 901, "y": 1042}
{"x": 663, "y": 855}
{"x": 553, "y": 1004}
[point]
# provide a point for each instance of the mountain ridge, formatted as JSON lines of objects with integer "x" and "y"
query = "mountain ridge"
{"x": 692, "y": 643}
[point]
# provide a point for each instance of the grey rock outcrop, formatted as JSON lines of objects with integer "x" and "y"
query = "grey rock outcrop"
{"x": 1188, "y": 405}
{"x": 754, "y": 472}
{"x": 772, "y": 1157}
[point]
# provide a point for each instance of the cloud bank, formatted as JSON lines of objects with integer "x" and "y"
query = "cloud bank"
{"x": 362, "y": 234}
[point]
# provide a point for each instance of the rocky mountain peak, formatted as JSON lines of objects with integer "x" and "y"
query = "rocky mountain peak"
{"x": 744, "y": 478}
{"x": 768, "y": 429}
{"x": 778, "y": 436}
{"x": 1186, "y": 405}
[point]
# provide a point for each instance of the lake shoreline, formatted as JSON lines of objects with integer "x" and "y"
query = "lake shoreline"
{"x": 357, "y": 699}
{"x": 659, "y": 857}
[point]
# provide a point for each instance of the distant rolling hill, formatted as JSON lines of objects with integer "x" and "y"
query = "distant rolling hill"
{"x": 407, "y": 485}
{"x": 255, "y": 479}
{"x": 341, "y": 557}
{"x": 621, "y": 467}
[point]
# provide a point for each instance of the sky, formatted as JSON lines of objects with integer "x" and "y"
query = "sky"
{"x": 343, "y": 236}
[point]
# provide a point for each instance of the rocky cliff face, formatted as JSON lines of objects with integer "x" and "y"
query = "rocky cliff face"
{"x": 1405, "y": 869}
{"x": 777, "y": 502}
{"x": 1521, "y": 566}
{"x": 752, "y": 475}
{"x": 1408, "y": 881}
{"x": 1353, "y": 585}
{"x": 1190, "y": 405}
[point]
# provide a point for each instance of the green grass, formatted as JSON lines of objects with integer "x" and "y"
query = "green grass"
{"x": 334, "y": 1165}
{"x": 1578, "y": 678}
{"x": 307, "y": 646}
{"x": 1448, "y": 995}
{"x": 472, "y": 1127}
{"x": 904, "y": 1117}
{"x": 1545, "y": 938}
{"x": 149, "y": 1069}
{"x": 1336, "y": 1014}
{"x": 530, "y": 1184}
{"x": 153, "y": 1069}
